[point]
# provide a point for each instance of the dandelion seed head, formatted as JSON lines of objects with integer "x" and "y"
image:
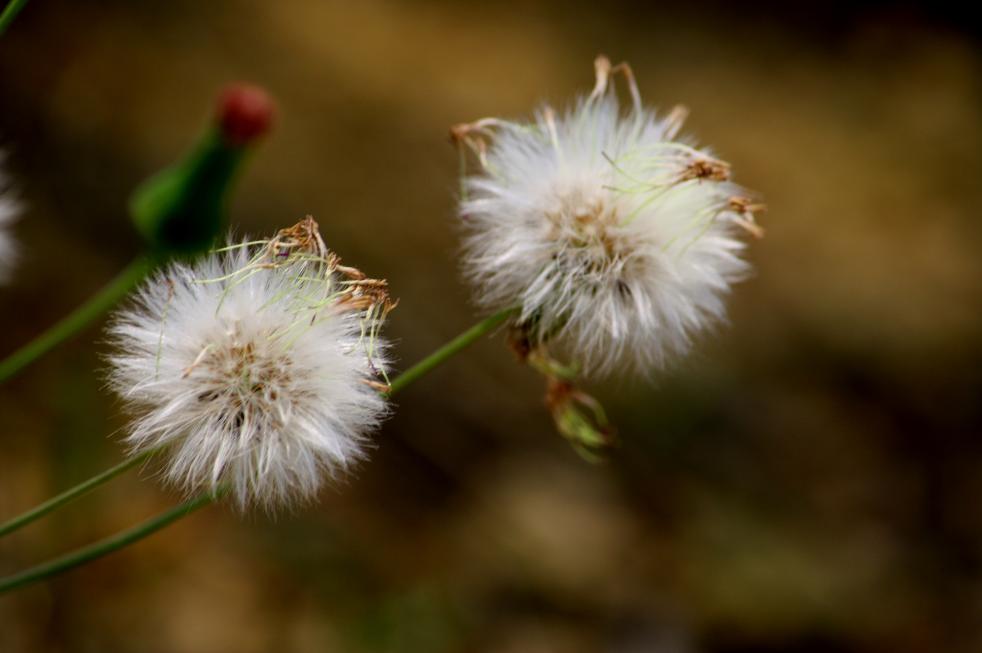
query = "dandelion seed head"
{"x": 257, "y": 367}
{"x": 617, "y": 238}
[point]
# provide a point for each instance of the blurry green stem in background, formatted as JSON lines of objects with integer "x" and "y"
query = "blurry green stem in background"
{"x": 78, "y": 319}
{"x": 99, "y": 549}
{"x": 108, "y": 545}
{"x": 9, "y": 13}
{"x": 69, "y": 495}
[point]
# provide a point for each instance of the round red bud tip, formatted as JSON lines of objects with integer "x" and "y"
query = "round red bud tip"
{"x": 245, "y": 112}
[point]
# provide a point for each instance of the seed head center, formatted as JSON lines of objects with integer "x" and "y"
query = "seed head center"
{"x": 247, "y": 372}
{"x": 588, "y": 225}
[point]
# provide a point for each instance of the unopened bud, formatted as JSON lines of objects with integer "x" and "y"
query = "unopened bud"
{"x": 580, "y": 419}
{"x": 245, "y": 112}
{"x": 181, "y": 209}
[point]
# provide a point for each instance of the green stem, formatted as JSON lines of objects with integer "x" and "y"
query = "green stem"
{"x": 82, "y": 488}
{"x": 77, "y": 319}
{"x": 448, "y": 350}
{"x": 100, "y": 549}
{"x": 10, "y": 12}
{"x": 108, "y": 545}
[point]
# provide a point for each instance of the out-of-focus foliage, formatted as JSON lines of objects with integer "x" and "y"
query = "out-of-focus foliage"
{"x": 809, "y": 481}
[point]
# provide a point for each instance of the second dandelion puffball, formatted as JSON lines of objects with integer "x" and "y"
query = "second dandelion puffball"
{"x": 614, "y": 237}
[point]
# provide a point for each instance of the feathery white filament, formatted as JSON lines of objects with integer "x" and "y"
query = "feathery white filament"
{"x": 8, "y": 212}
{"x": 615, "y": 237}
{"x": 256, "y": 374}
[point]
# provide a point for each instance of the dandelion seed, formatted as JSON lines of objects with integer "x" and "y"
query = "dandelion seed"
{"x": 616, "y": 238}
{"x": 257, "y": 367}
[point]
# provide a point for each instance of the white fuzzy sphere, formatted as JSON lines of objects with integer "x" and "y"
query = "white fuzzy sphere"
{"x": 256, "y": 381}
{"x": 616, "y": 239}
{"x": 8, "y": 212}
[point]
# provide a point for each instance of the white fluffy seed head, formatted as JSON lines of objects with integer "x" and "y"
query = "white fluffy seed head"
{"x": 8, "y": 213}
{"x": 616, "y": 238}
{"x": 256, "y": 368}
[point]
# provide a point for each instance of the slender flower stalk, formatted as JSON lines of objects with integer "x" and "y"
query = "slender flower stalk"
{"x": 78, "y": 319}
{"x": 107, "y": 546}
{"x": 9, "y": 13}
{"x": 71, "y": 494}
{"x": 451, "y": 349}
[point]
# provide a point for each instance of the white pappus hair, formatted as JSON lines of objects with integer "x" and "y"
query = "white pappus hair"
{"x": 615, "y": 237}
{"x": 255, "y": 368}
{"x": 9, "y": 210}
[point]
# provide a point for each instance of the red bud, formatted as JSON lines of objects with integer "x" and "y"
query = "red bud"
{"x": 245, "y": 112}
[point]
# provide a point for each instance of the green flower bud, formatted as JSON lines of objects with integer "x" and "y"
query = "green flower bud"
{"x": 181, "y": 210}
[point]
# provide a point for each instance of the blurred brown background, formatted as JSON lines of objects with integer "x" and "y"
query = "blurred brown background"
{"x": 809, "y": 481}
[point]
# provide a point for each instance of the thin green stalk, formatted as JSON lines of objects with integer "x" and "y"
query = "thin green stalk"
{"x": 448, "y": 350}
{"x": 78, "y": 319}
{"x": 108, "y": 545}
{"x": 69, "y": 495}
{"x": 10, "y": 12}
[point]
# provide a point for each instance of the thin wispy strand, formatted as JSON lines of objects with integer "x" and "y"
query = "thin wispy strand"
{"x": 9, "y": 209}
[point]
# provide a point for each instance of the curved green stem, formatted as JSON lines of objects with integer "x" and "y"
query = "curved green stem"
{"x": 100, "y": 549}
{"x": 108, "y": 545}
{"x": 10, "y": 12}
{"x": 78, "y": 319}
{"x": 69, "y": 495}
{"x": 450, "y": 349}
